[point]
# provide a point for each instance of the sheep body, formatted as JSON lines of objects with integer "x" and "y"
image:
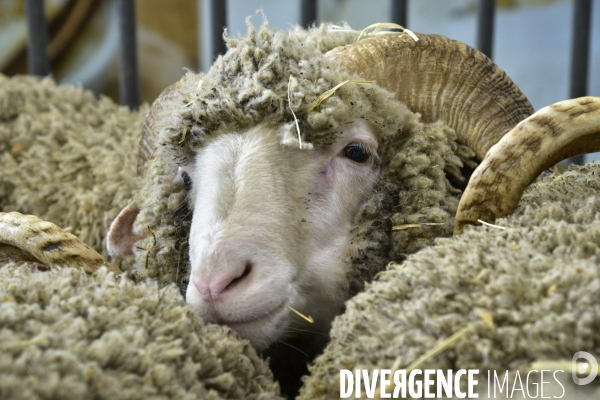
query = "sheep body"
{"x": 66, "y": 156}
{"x": 69, "y": 157}
{"x": 68, "y": 335}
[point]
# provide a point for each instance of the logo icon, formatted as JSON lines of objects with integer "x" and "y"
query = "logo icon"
{"x": 580, "y": 367}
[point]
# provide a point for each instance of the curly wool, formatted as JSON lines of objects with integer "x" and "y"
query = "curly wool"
{"x": 67, "y": 335}
{"x": 65, "y": 155}
{"x": 538, "y": 280}
{"x": 250, "y": 84}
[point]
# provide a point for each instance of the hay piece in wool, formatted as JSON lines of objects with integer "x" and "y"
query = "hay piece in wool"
{"x": 249, "y": 85}
{"x": 67, "y": 335}
{"x": 538, "y": 280}
{"x": 66, "y": 156}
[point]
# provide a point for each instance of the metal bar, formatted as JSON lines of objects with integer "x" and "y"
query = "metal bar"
{"x": 205, "y": 53}
{"x": 218, "y": 24}
{"x": 308, "y": 12}
{"x": 580, "y": 51}
{"x": 580, "y": 47}
{"x": 485, "y": 26}
{"x": 129, "y": 79}
{"x": 38, "y": 60}
{"x": 200, "y": 34}
{"x": 400, "y": 12}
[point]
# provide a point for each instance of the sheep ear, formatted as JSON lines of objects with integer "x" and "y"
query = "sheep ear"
{"x": 121, "y": 237}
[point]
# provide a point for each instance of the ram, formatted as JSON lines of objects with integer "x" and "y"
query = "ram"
{"x": 298, "y": 166}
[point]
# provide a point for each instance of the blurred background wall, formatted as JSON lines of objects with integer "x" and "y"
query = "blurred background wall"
{"x": 532, "y": 38}
{"x": 84, "y": 40}
{"x": 531, "y": 43}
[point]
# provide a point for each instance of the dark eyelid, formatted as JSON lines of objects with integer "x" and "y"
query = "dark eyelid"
{"x": 369, "y": 149}
{"x": 363, "y": 146}
{"x": 373, "y": 153}
{"x": 357, "y": 152}
{"x": 187, "y": 181}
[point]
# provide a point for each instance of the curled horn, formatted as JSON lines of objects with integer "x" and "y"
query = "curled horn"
{"x": 448, "y": 80}
{"x": 441, "y": 79}
{"x": 149, "y": 137}
{"x": 561, "y": 130}
{"x": 29, "y": 238}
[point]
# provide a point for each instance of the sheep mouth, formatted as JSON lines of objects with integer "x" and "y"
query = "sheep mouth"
{"x": 265, "y": 321}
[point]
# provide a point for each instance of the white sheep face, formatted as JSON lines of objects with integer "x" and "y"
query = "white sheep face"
{"x": 270, "y": 228}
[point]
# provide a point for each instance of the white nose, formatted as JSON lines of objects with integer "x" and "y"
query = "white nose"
{"x": 211, "y": 288}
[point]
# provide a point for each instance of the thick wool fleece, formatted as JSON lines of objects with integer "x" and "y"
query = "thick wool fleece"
{"x": 66, "y": 156}
{"x": 66, "y": 335}
{"x": 538, "y": 280}
{"x": 250, "y": 84}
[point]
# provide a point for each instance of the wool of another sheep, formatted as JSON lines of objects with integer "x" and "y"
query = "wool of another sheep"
{"x": 538, "y": 280}
{"x": 66, "y": 156}
{"x": 66, "y": 335}
{"x": 70, "y": 158}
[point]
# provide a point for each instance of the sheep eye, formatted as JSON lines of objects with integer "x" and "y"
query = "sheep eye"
{"x": 187, "y": 181}
{"x": 357, "y": 153}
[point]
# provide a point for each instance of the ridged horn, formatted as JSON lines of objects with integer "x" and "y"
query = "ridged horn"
{"x": 29, "y": 238}
{"x": 554, "y": 133}
{"x": 149, "y": 137}
{"x": 441, "y": 79}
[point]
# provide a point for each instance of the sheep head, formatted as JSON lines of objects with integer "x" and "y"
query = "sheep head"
{"x": 261, "y": 194}
{"x": 270, "y": 228}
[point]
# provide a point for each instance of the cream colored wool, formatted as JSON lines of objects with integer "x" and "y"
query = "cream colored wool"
{"x": 66, "y": 335}
{"x": 539, "y": 280}
{"x": 249, "y": 85}
{"x": 65, "y": 155}
{"x": 70, "y": 158}
{"x": 51, "y": 345}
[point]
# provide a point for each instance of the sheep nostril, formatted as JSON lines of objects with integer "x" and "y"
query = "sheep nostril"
{"x": 247, "y": 270}
{"x": 211, "y": 288}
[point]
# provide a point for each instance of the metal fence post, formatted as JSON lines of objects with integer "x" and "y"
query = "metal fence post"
{"x": 212, "y": 19}
{"x": 580, "y": 49}
{"x": 129, "y": 79}
{"x": 308, "y": 12}
{"x": 38, "y": 60}
{"x": 400, "y": 12}
{"x": 485, "y": 26}
{"x": 219, "y": 23}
